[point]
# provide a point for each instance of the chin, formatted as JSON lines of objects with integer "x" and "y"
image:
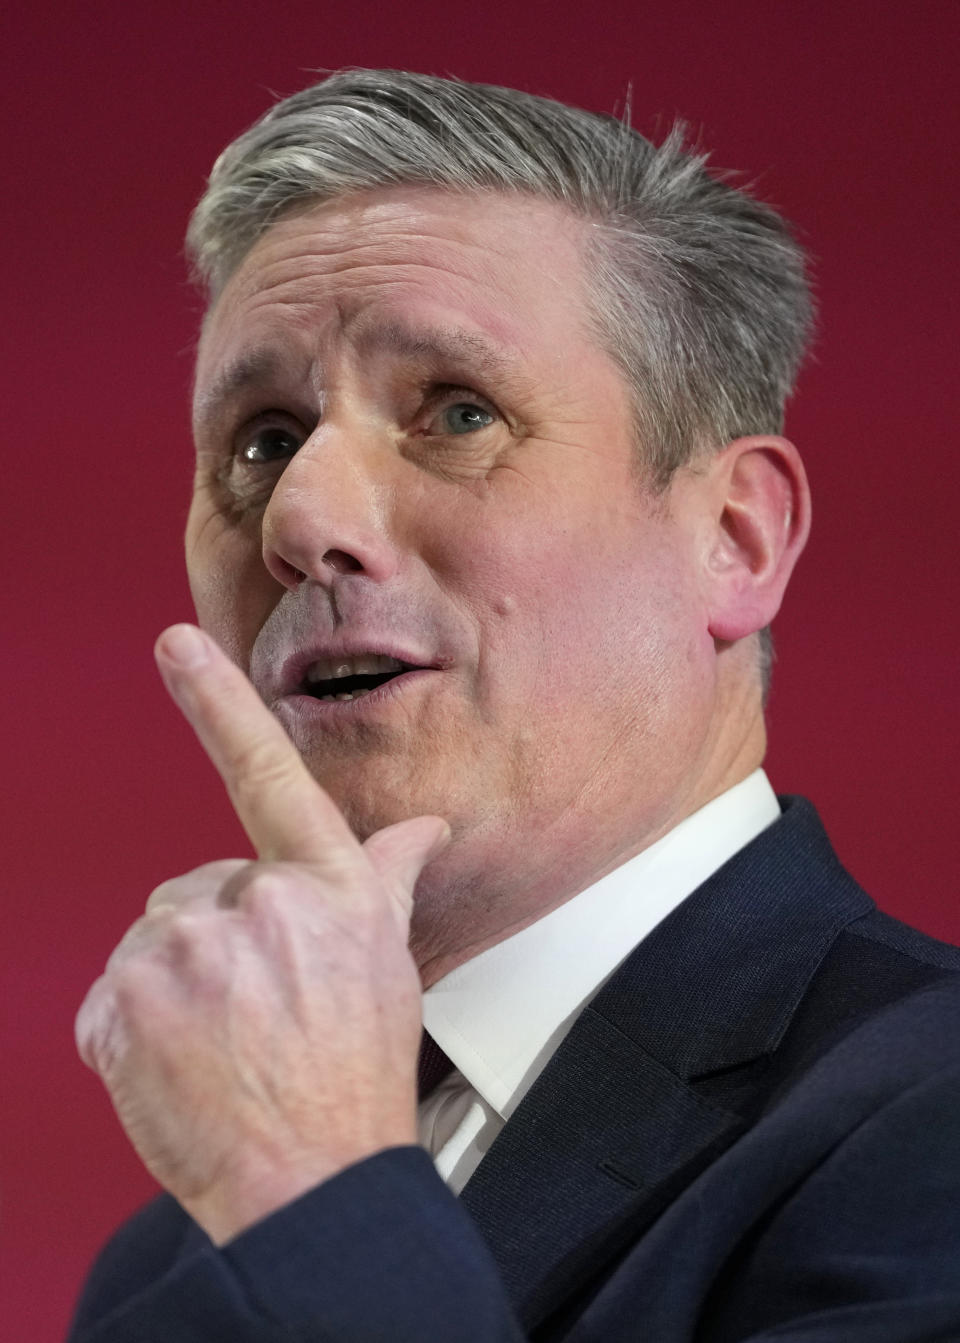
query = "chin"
{"x": 366, "y": 815}
{"x": 376, "y": 793}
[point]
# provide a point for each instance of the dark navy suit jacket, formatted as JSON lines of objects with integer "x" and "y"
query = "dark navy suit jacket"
{"x": 751, "y": 1133}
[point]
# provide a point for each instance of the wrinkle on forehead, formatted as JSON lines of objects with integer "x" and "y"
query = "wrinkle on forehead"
{"x": 400, "y": 214}
{"x": 396, "y": 270}
{"x": 412, "y": 235}
{"x": 413, "y": 342}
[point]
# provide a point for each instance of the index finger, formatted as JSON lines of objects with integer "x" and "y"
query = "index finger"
{"x": 281, "y": 806}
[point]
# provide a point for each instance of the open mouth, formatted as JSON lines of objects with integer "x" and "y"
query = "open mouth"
{"x": 351, "y": 678}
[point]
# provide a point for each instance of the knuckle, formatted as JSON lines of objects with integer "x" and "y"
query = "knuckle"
{"x": 190, "y": 941}
{"x": 159, "y": 910}
{"x": 184, "y": 949}
{"x": 130, "y": 944}
{"x": 265, "y": 891}
{"x": 95, "y": 1011}
{"x": 183, "y": 932}
{"x": 132, "y": 984}
{"x": 201, "y": 881}
{"x": 255, "y": 767}
{"x": 220, "y": 869}
{"x": 162, "y": 896}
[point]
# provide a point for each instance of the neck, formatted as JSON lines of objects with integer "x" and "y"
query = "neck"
{"x": 464, "y": 907}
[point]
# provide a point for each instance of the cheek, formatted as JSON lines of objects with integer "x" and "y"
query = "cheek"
{"x": 508, "y": 586}
{"x": 617, "y": 626}
{"x": 232, "y": 592}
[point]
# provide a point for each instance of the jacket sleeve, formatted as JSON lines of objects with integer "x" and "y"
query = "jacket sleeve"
{"x": 382, "y": 1251}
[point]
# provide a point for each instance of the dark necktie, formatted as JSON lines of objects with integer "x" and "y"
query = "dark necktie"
{"x": 432, "y": 1066}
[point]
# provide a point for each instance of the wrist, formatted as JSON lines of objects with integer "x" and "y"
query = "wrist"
{"x": 235, "y": 1203}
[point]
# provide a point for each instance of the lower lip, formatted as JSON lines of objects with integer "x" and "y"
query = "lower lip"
{"x": 346, "y": 710}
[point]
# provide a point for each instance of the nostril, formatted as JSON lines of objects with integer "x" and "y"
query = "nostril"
{"x": 288, "y": 574}
{"x": 341, "y": 562}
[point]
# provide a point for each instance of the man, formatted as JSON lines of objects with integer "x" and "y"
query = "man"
{"x": 493, "y": 510}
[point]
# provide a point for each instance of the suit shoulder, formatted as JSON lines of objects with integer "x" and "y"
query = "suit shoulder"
{"x": 879, "y": 969}
{"x": 899, "y": 938}
{"x": 883, "y": 1003}
{"x": 878, "y": 965}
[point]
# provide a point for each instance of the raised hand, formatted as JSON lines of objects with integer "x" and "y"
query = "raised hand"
{"x": 257, "y": 1029}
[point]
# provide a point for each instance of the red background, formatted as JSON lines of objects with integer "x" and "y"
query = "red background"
{"x": 845, "y": 114}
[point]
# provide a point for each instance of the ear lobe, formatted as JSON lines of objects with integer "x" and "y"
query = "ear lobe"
{"x": 761, "y": 520}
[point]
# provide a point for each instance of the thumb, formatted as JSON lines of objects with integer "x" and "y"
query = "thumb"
{"x": 399, "y": 853}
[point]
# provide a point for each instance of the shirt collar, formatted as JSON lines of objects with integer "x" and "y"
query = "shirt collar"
{"x": 500, "y": 1016}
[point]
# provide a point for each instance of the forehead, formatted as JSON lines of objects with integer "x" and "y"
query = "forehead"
{"x": 498, "y": 274}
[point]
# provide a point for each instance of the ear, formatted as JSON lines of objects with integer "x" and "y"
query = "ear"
{"x": 758, "y": 526}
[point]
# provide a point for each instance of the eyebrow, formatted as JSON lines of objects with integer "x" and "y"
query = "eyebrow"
{"x": 451, "y": 346}
{"x": 247, "y": 371}
{"x": 438, "y": 345}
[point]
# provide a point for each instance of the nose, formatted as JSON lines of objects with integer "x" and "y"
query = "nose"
{"x": 329, "y": 513}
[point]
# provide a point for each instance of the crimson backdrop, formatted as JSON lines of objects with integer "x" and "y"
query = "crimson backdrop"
{"x": 846, "y": 114}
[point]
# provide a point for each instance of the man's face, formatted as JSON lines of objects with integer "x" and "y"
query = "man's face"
{"x": 409, "y": 443}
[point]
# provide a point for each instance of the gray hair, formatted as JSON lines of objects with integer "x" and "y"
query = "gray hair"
{"x": 698, "y": 291}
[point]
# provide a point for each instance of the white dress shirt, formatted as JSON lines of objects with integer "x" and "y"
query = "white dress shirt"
{"x": 500, "y": 1016}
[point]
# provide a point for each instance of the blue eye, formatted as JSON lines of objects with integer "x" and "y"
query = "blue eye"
{"x": 270, "y": 444}
{"x": 465, "y": 417}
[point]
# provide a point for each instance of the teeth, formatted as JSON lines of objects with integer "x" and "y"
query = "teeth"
{"x": 365, "y": 664}
{"x": 356, "y": 694}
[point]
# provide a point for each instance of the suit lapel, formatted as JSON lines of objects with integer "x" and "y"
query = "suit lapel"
{"x": 591, "y": 1153}
{"x": 614, "y": 1128}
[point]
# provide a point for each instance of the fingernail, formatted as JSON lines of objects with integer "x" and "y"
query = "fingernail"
{"x": 184, "y": 645}
{"x": 440, "y": 843}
